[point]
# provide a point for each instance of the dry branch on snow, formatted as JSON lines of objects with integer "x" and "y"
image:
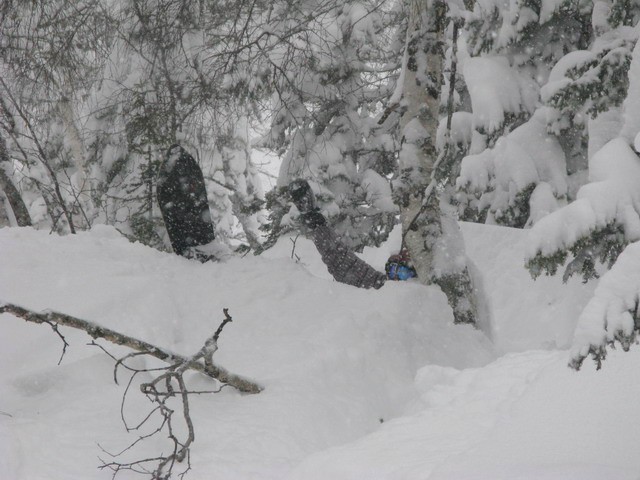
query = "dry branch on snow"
{"x": 206, "y": 366}
{"x": 167, "y": 390}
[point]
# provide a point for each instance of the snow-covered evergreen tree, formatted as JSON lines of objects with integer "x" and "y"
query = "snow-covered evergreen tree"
{"x": 521, "y": 178}
{"x": 599, "y": 224}
{"x": 605, "y": 216}
{"x": 167, "y": 82}
{"x": 328, "y": 91}
{"x": 507, "y": 179}
{"x": 586, "y": 88}
{"x": 612, "y": 316}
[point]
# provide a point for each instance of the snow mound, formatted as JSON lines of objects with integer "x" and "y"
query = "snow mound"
{"x": 525, "y": 416}
{"x": 525, "y": 314}
{"x": 333, "y": 359}
{"x": 358, "y": 384}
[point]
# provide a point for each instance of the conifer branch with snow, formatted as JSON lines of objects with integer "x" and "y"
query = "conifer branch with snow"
{"x": 612, "y": 316}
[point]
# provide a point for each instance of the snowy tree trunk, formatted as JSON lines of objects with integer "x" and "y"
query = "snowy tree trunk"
{"x": 11, "y": 193}
{"x": 240, "y": 173}
{"x": 6, "y": 219}
{"x": 72, "y": 135}
{"x": 434, "y": 241}
{"x": 73, "y": 138}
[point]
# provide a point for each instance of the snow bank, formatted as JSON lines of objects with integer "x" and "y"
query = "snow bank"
{"x": 525, "y": 314}
{"x": 333, "y": 359}
{"x": 524, "y": 417}
{"x": 556, "y": 424}
{"x": 358, "y": 384}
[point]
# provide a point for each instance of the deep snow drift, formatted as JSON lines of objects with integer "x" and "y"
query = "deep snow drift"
{"x": 358, "y": 384}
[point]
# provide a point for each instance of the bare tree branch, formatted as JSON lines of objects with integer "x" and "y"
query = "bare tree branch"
{"x": 96, "y": 331}
{"x": 169, "y": 394}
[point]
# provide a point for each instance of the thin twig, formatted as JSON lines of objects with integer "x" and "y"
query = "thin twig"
{"x": 65, "y": 344}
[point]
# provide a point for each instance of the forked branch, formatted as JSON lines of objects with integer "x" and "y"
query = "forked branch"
{"x": 166, "y": 390}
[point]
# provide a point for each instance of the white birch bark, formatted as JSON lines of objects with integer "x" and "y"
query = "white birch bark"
{"x": 434, "y": 242}
{"x": 418, "y": 125}
{"x": 73, "y": 138}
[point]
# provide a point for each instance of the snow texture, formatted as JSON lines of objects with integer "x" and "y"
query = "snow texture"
{"x": 522, "y": 417}
{"x": 558, "y": 78}
{"x": 496, "y": 89}
{"x": 527, "y": 156}
{"x": 461, "y": 130}
{"x": 604, "y": 128}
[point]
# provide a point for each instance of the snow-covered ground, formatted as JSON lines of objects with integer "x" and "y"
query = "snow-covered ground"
{"x": 358, "y": 384}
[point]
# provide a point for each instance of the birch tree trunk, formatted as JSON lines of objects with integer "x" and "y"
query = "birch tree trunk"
{"x": 11, "y": 193}
{"x": 434, "y": 240}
